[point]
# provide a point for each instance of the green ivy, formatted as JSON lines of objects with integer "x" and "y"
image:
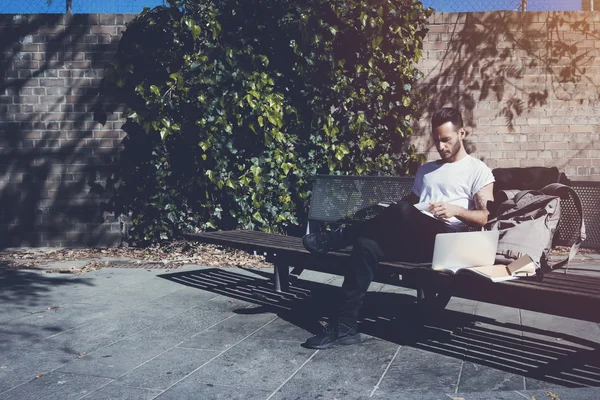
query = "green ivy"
{"x": 233, "y": 105}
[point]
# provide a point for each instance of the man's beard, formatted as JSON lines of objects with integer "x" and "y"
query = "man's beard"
{"x": 451, "y": 153}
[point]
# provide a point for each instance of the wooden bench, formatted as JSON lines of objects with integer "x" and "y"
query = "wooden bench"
{"x": 347, "y": 199}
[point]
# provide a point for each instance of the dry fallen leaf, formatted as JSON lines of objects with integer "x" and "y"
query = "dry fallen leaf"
{"x": 171, "y": 255}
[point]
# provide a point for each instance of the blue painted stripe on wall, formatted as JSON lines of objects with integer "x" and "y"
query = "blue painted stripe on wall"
{"x": 79, "y": 6}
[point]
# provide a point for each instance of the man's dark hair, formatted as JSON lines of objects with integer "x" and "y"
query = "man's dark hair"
{"x": 447, "y": 114}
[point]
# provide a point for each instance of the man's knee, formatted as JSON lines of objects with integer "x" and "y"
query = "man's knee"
{"x": 404, "y": 209}
{"x": 364, "y": 243}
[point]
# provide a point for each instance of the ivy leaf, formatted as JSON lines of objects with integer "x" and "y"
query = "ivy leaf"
{"x": 376, "y": 42}
{"x": 195, "y": 65}
{"x": 196, "y": 32}
{"x": 286, "y": 167}
{"x": 363, "y": 19}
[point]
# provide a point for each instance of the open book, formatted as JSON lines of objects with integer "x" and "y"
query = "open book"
{"x": 423, "y": 207}
{"x": 521, "y": 267}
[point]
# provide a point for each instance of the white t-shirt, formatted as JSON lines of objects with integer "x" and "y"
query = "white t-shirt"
{"x": 453, "y": 183}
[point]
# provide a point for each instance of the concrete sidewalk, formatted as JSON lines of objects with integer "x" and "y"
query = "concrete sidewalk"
{"x": 209, "y": 333}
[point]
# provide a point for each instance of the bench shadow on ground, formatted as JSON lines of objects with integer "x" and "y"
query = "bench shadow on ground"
{"x": 394, "y": 317}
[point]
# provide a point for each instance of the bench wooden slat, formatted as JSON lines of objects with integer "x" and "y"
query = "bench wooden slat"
{"x": 269, "y": 242}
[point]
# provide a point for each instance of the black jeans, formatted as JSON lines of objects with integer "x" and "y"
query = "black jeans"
{"x": 400, "y": 232}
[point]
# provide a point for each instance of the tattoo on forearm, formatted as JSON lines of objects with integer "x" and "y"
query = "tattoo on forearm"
{"x": 481, "y": 201}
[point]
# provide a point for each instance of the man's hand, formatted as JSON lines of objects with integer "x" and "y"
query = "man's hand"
{"x": 477, "y": 217}
{"x": 445, "y": 210}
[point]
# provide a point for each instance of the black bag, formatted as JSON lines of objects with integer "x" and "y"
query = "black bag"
{"x": 528, "y": 178}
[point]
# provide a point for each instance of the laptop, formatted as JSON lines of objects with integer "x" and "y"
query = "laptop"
{"x": 453, "y": 251}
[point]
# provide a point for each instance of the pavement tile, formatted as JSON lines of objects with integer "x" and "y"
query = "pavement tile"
{"x": 344, "y": 372}
{"x": 224, "y": 304}
{"x": 580, "y": 333}
{"x": 493, "y": 395}
{"x": 132, "y": 296}
{"x": 465, "y": 306}
{"x": 254, "y": 273}
{"x": 215, "y": 280}
{"x": 166, "y": 369}
{"x": 476, "y": 378}
{"x": 247, "y": 286}
{"x": 421, "y": 369}
{"x": 304, "y": 389}
{"x": 570, "y": 370}
{"x": 122, "y": 356}
{"x": 18, "y": 366}
{"x": 315, "y": 276}
{"x": 494, "y": 358}
{"x": 9, "y": 312}
{"x": 177, "y": 302}
{"x": 118, "y": 358}
{"x": 182, "y": 327}
{"x": 412, "y": 395}
{"x": 29, "y": 329}
{"x": 29, "y": 291}
{"x": 258, "y": 363}
{"x": 494, "y": 351}
{"x": 115, "y": 392}
{"x": 282, "y": 329}
{"x": 498, "y": 315}
{"x": 567, "y": 351}
{"x": 591, "y": 393}
{"x": 150, "y": 281}
{"x": 398, "y": 289}
{"x": 336, "y": 281}
{"x": 101, "y": 331}
{"x": 190, "y": 389}
{"x": 56, "y": 386}
{"x": 544, "y": 383}
{"x": 228, "y": 332}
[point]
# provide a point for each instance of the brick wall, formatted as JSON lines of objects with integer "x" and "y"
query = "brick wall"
{"x": 55, "y": 149}
{"x": 528, "y": 85}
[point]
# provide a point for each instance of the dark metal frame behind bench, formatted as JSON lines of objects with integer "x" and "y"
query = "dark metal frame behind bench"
{"x": 347, "y": 199}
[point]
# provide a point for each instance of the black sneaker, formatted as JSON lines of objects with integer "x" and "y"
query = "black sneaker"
{"x": 322, "y": 242}
{"x": 334, "y": 335}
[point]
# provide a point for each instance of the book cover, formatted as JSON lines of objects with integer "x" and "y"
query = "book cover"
{"x": 522, "y": 267}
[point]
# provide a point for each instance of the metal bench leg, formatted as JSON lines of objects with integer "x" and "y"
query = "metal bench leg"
{"x": 282, "y": 277}
{"x": 431, "y": 300}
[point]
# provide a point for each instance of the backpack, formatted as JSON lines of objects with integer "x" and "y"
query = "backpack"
{"x": 527, "y": 221}
{"x": 526, "y": 178}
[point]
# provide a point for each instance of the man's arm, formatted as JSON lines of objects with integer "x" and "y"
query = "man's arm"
{"x": 477, "y": 217}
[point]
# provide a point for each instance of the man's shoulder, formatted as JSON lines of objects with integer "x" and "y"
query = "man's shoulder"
{"x": 477, "y": 163}
{"x": 430, "y": 165}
